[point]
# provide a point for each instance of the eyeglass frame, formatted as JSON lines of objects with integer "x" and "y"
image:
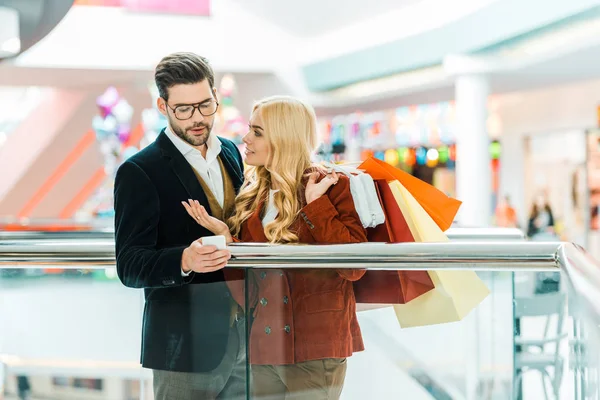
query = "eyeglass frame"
{"x": 195, "y": 107}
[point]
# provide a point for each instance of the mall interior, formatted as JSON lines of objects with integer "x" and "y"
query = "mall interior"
{"x": 494, "y": 102}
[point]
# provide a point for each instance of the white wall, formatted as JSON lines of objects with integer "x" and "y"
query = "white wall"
{"x": 559, "y": 108}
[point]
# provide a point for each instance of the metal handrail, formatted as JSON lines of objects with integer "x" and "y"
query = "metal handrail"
{"x": 460, "y": 254}
{"x": 108, "y": 233}
{"x": 580, "y": 268}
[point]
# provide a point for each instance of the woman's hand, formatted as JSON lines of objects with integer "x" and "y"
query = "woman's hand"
{"x": 315, "y": 190}
{"x": 200, "y": 215}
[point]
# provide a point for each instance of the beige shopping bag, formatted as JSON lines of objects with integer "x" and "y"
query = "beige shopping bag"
{"x": 456, "y": 293}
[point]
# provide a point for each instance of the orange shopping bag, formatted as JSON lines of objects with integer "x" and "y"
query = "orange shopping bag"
{"x": 441, "y": 208}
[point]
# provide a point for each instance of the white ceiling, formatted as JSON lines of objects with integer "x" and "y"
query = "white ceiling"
{"x": 310, "y": 18}
{"x": 576, "y": 66}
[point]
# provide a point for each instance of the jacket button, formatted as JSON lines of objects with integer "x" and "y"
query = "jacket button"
{"x": 285, "y": 299}
{"x": 263, "y": 275}
{"x": 168, "y": 282}
{"x": 268, "y": 330}
{"x": 263, "y": 301}
{"x": 287, "y": 329}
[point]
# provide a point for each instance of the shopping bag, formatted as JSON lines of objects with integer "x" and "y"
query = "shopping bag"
{"x": 441, "y": 208}
{"x": 456, "y": 293}
{"x": 391, "y": 287}
{"x": 362, "y": 189}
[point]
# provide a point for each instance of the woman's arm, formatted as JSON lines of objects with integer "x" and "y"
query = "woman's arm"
{"x": 332, "y": 219}
{"x": 200, "y": 215}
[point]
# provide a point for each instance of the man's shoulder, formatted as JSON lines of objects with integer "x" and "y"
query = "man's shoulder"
{"x": 146, "y": 158}
{"x": 151, "y": 151}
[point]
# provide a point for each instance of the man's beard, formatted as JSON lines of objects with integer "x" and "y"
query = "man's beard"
{"x": 190, "y": 138}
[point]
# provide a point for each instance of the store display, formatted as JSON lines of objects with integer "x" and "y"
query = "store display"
{"x": 419, "y": 139}
{"x": 556, "y": 184}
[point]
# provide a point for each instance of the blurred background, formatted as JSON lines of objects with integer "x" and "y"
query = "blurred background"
{"x": 495, "y": 102}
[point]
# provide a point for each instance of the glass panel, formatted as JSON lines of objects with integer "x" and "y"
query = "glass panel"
{"x": 541, "y": 339}
{"x": 583, "y": 351}
{"x": 556, "y": 340}
{"x": 70, "y": 333}
{"x": 76, "y": 334}
{"x": 302, "y": 340}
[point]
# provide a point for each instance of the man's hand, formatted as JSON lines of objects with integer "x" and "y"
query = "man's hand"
{"x": 203, "y": 259}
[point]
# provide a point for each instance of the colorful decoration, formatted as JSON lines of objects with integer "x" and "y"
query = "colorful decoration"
{"x": 443, "y": 154}
{"x": 391, "y": 157}
{"x": 429, "y": 125}
{"x": 184, "y": 7}
{"x": 112, "y": 127}
{"x": 421, "y": 154}
{"x": 495, "y": 150}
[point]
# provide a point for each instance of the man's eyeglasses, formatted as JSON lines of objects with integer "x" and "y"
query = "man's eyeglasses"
{"x": 186, "y": 111}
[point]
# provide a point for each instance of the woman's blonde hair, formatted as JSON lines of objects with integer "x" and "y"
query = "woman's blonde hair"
{"x": 290, "y": 128}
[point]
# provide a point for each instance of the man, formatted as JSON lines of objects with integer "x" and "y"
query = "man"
{"x": 193, "y": 334}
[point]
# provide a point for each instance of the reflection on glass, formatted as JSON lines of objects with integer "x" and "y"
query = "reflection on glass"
{"x": 70, "y": 333}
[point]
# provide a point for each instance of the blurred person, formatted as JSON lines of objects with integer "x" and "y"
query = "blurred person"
{"x": 541, "y": 218}
{"x": 193, "y": 334}
{"x": 305, "y": 323}
{"x": 23, "y": 387}
{"x": 506, "y": 216}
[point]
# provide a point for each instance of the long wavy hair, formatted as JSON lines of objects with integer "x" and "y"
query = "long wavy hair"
{"x": 291, "y": 130}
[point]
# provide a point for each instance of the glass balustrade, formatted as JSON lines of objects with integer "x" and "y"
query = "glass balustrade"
{"x": 69, "y": 329}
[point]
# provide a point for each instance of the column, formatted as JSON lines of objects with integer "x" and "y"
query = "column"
{"x": 473, "y": 172}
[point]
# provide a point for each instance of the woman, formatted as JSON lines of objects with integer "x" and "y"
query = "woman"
{"x": 305, "y": 321}
{"x": 541, "y": 219}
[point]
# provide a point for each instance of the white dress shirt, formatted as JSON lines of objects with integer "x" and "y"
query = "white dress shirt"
{"x": 208, "y": 168}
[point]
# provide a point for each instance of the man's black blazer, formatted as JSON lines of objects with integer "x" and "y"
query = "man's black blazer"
{"x": 186, "y": 319}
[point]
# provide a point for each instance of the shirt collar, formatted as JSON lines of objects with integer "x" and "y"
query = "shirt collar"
{"x": 213, "y": 145}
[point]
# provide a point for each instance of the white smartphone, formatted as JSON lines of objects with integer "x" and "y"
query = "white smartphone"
{"x": 217, "y": 241}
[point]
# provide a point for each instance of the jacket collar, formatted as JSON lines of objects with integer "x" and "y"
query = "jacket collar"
{"x": 232, "y": 166}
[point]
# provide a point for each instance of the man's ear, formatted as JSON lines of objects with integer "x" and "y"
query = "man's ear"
{"x": 162, "y": 106}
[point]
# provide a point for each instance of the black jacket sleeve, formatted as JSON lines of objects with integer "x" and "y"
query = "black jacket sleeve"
{"x": 137, "y": 212}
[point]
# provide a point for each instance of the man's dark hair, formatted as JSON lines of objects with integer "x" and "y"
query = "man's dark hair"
{"x": 182, "y": 68}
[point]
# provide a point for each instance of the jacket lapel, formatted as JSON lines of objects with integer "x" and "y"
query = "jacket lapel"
{"x": 182, "y": 169}
{"x": 231, "y": 165}
{"x": 255, "y": 227}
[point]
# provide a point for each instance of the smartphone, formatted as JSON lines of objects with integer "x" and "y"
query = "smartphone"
{"x": 217, "y": 241}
